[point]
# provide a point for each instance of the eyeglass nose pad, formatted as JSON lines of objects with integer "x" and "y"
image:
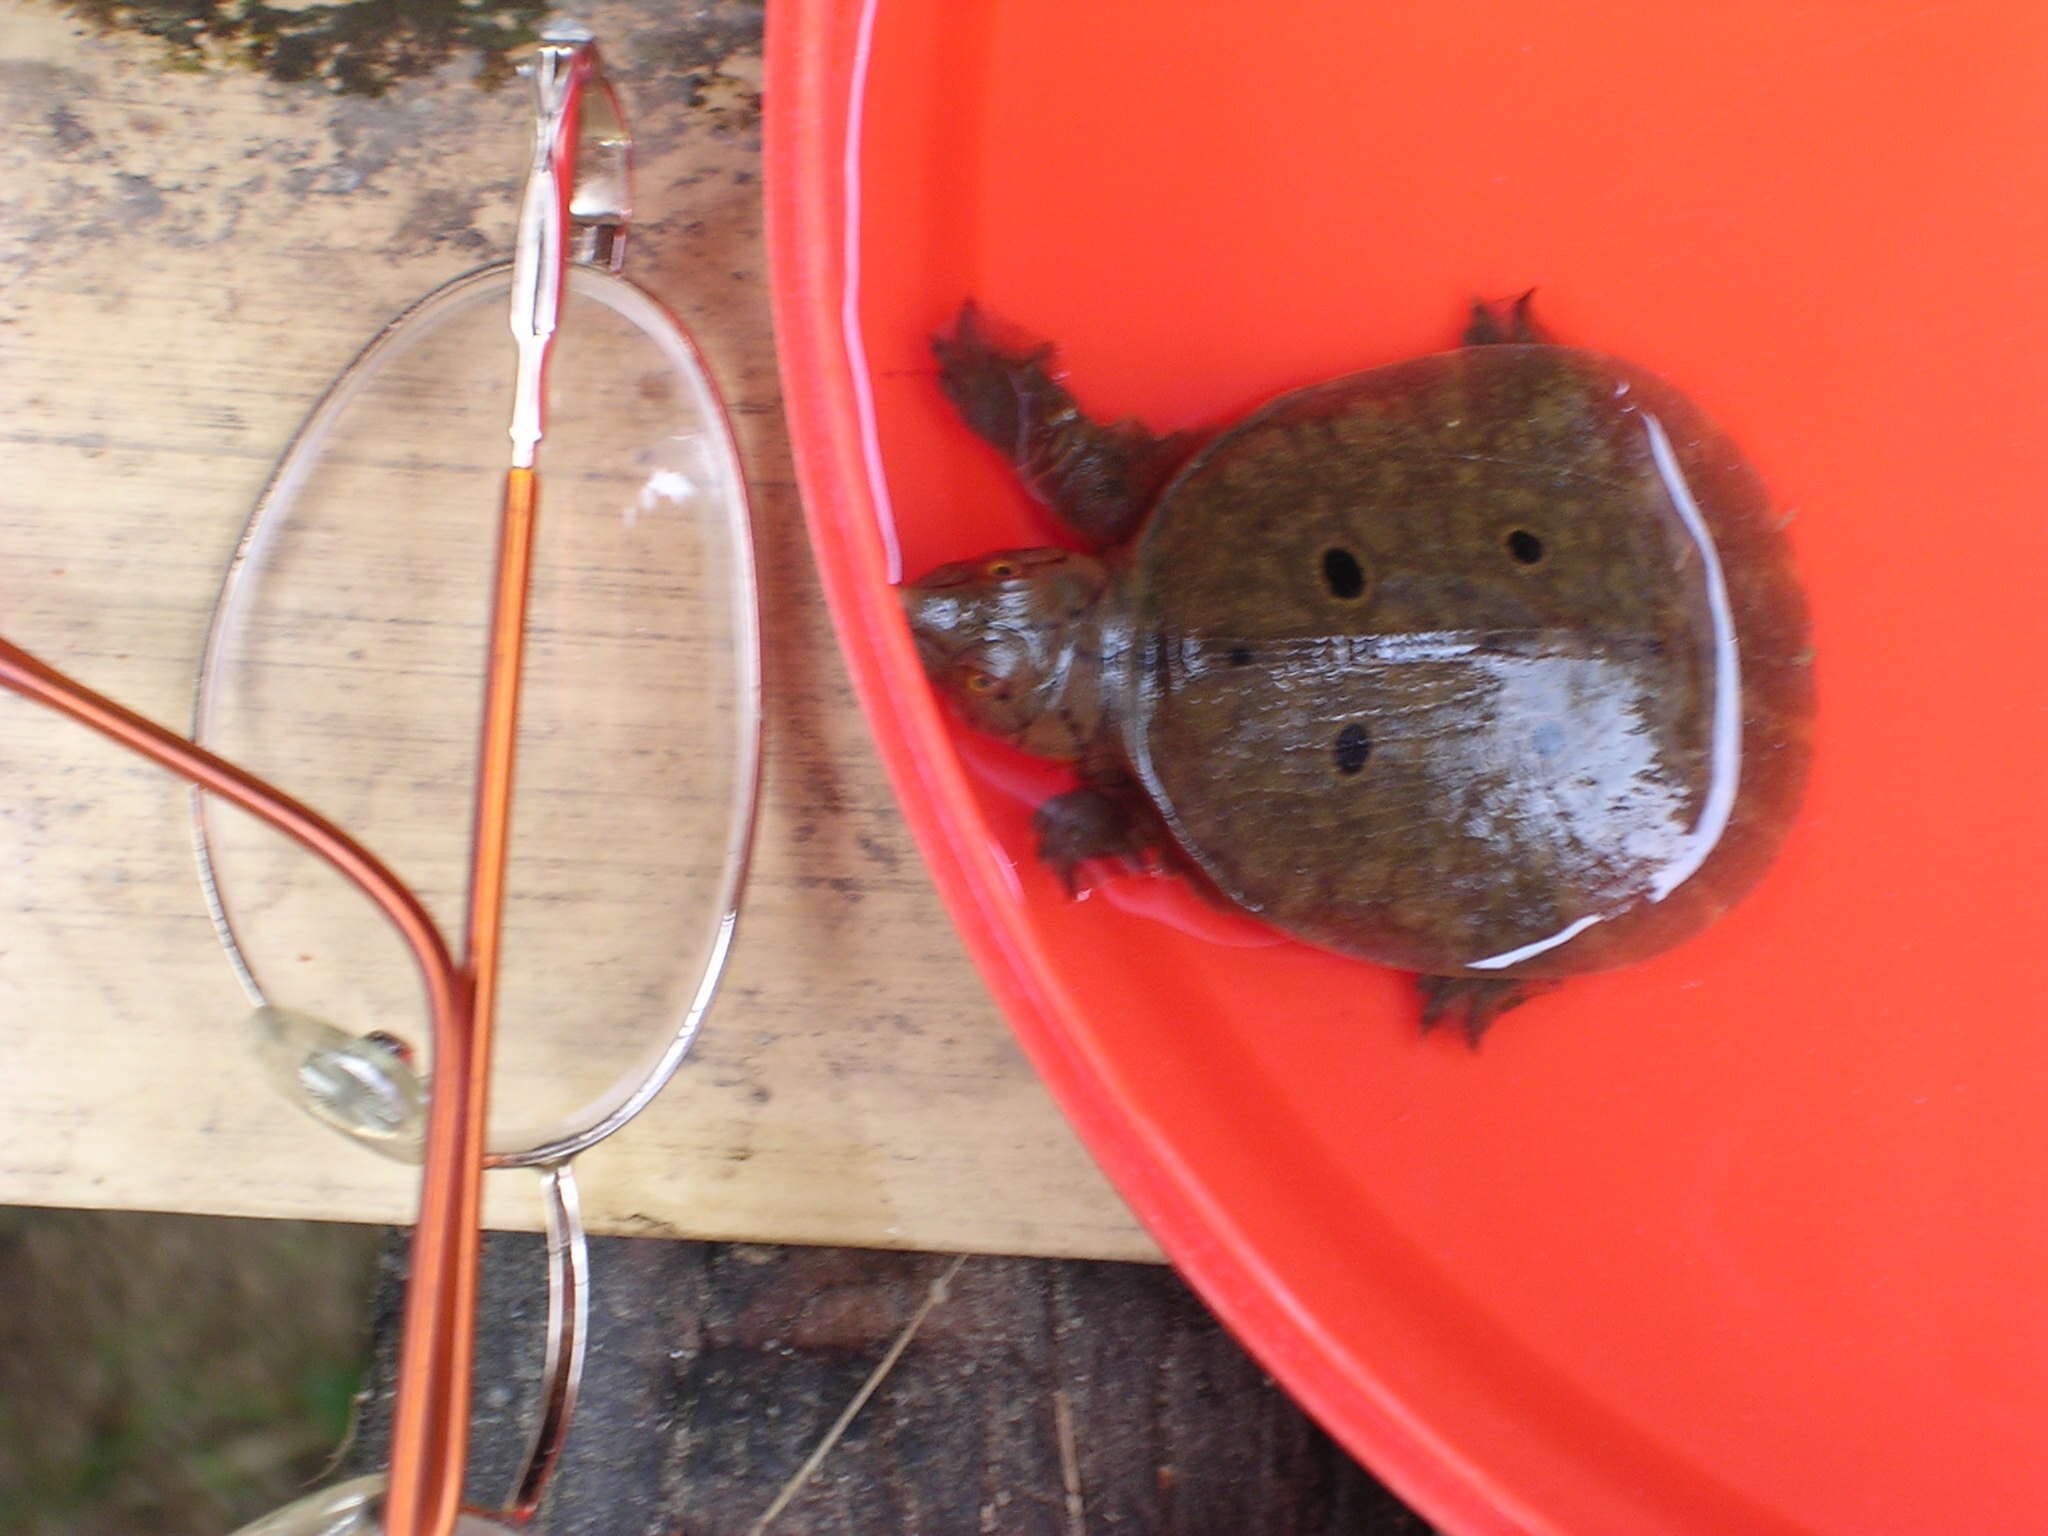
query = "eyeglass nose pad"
{"x": 364, "y": 1086}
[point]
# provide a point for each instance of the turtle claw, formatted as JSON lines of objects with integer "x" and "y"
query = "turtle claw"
{"x": 1073, "y": 882}
{"x": 1488, "y": 328}
{"x": 1471, "y": 1002}
{"x": 1091, "y": 823}
{"x": 1001, "y": 392}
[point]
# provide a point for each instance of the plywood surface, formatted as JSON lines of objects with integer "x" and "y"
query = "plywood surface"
{"x": 189, "y": 256}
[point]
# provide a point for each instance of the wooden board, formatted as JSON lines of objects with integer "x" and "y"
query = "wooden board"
{"x": 191, "y": 256}
{"x": 1031, "y": 1398}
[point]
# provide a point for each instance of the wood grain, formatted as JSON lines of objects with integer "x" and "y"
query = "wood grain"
{"x": 1035, "y": 1398}
{"x": 190, "y": 258}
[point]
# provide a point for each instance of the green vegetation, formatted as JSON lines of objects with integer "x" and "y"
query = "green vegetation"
{"x": 172, "y": 1373}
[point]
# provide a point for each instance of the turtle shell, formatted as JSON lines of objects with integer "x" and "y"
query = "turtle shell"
{"x": 1492, "y": 662}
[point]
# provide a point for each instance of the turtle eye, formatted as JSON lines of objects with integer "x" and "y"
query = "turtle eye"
{"x": 1001, "y": 570}
{"x": 979, "y": 682}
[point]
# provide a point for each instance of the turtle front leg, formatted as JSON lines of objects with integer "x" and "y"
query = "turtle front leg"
{"x": 1098, "y": 480}
{"x": 1107, "y": 820}
{"x": 1472, "y": 1002}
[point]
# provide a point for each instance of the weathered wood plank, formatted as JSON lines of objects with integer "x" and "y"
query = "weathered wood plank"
{"x": 715, "y": 1370}
{"x": 190, "y": 257}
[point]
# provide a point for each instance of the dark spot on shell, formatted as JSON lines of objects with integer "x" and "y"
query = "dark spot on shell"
{"x": 1342, "y": 573}
{"x": 1353, "y": 747}
{"x": 1240, "y": 656}
{"x": 1525, "y": 547}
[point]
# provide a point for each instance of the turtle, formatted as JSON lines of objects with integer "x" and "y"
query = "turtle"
{"x": 1490, "y": 665}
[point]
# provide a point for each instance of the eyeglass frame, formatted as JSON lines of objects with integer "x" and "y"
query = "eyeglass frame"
{"x": 575, "y": 211}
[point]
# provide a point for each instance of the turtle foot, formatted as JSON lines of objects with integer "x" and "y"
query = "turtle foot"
{"x": 1488, "y": 327}
{"x": 1099, "y": 480}
{"x": 1472, "y": 1002}
{"x": 1092, "y": 823}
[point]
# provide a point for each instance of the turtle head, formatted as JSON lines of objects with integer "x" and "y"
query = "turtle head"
{"x": 1012, "y": 640}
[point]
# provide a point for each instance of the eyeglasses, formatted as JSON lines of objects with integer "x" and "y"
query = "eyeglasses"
{"x": 654, "y": 434}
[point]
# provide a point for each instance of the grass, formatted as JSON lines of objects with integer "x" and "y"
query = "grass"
{"x": 175, "y": 1374}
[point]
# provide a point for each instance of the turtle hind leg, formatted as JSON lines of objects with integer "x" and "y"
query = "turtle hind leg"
{"x": 1488, "y": 328}
{"x": 1472, "y": 1002}
{"x": 1098, "y": 480}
